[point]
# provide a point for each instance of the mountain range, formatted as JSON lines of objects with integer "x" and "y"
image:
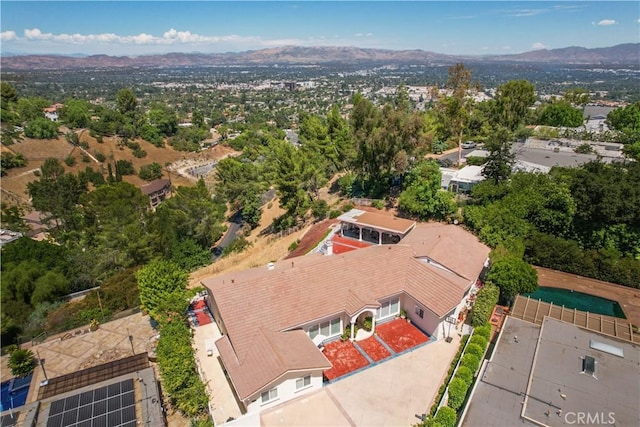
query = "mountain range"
{"x": 623, "y": 54}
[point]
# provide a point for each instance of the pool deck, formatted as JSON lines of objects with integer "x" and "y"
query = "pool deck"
{"x": 628, "y": 298}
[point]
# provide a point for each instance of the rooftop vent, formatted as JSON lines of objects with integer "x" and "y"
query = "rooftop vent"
{"x": 589, "y": 365}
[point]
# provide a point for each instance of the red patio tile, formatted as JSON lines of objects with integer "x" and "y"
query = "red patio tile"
{"x": 374, "y": 349}
{"x": 344, "y": 357}
{"x": 400, "y": 335}
{"x": 203, "y": 318}
{"x": 343, "y": 244}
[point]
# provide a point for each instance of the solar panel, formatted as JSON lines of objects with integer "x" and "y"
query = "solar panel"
{"x": 108, "y": 406}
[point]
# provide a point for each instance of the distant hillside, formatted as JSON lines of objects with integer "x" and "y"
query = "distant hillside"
{"x": 620, "y": 54}
{"x": 628, "y": 53}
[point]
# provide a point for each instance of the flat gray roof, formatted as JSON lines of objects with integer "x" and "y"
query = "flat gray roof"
{"x": 548, "y": 360}
{"x": 549, "y": 157}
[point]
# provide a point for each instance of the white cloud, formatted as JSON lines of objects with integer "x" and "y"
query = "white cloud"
{"x": 605, "y": 22}
{"x": 538, "y": 46}
{"x": 363, "y": 35}
{"x": 7, "y": 35}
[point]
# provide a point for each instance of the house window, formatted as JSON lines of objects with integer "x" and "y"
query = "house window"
{"x": 303, "y": 382}
{"x": 336, "y": 326}
{"x": 269, "y": 395}
{"x": 314, "y": 331}
{"x": 330, "y": 328}
{"x": 388, "y": 308}
{"x": 420, "y": 312}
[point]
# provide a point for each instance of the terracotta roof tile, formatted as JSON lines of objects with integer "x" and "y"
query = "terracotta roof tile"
{"x": 259, "y": 304}
{"x": 449, "y": 245}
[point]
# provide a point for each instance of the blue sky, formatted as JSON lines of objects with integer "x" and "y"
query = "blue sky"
{"x": 452, "y": 27}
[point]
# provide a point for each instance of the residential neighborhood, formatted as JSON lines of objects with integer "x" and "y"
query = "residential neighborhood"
{"x": 270, "y": 214}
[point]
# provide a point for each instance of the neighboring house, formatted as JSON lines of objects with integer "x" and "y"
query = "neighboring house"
{"x": 461, "y": 180}
{"x": 8, "y": 236}
{"x": 51, "y": 112}
{"x": 275, "y": 318}
{"x": 555, "y": 374}
{"x": 157, "y": 191}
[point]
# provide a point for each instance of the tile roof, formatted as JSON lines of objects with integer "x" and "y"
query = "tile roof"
{"x": 259, "y": 304}
{"x": 155, "y": 186}
{"x": 272, "y": 354}
{"x": 379, "y": 221}
{"x": 449, "y": 245}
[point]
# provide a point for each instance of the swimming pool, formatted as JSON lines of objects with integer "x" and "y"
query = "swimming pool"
{"x": 579, "y": 301}
{"x": 13, "y": 393}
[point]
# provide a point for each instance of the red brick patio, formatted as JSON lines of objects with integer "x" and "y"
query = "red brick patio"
{"x": 374, "y": 349}
{"x": 344, "y": 244}
{"x": 400, "y": 335}
{"x": 344, "y": 357}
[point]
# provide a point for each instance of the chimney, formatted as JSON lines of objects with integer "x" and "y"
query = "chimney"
{"x": 271, "y": 266}
{"x": 328, "y": 247}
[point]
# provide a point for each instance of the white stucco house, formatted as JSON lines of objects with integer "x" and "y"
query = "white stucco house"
{"x": 275, "y": 318}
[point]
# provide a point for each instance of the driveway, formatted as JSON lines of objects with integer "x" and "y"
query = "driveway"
{"x": 389, "y": 394}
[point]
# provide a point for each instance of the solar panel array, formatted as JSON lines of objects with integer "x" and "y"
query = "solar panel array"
{"x": 109, "y": 406}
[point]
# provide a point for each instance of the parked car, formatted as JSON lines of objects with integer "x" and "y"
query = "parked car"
{"x": 469, "y": 144}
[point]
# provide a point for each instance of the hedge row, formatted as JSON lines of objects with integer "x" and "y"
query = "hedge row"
{"x": 486, "y": 299}
{"x": 452, "y": 368}
{"x": 459, "y": 385}
{"x": 178, "y": 368}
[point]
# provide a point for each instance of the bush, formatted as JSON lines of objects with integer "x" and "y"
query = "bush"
{"x": 464, "y": 374}
{"x": 294, "y": 245}
{"x": 139, "y": 153}
{"x": 476, "y": 350}
{"x": 584, "y": 149}
{"x": 483, "y": 331}
{"x": 319, "y": 209}
{"x": 345, "y": 183}
{"x": 335, "y": 213}
{"x": 378, "y": 204}
{"x": 70, "y": 160}
{"x": 452, "y": 367}
{"x": 150, "y": 172}
{"x": 457, "y": 393}
{"x": 99, "y": 156}
{"x": 446, "y": 417}
{"x": 22, "y": 362}
{"x": 479, "y": 341}
{"x": 85, "y": 158}
{"x": 486, "y": 299}
{"x": 238, "y": 245}
{"x": 476, "y": 161}
{"x": 347, "y": 207}
{"x": 471, "y": 362}
{"x": 41, "y": 128}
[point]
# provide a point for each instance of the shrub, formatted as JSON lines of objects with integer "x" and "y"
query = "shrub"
{"x": 464, "y": 374}
{"x": 475, "y": 349}
{"x": 584, "y": 149}
{"x": 22, "y": 362}
{"x": 452, "y": 367}
{"x": 238, "y": 245}
{"x": 486, "y": 299}
{"x": 335, "y": 213}
{"x": 294, "y": 245}
{"x": 345, "y": 183}
{"x": 479, "y": 341}
{"x": 483, "y": 331}
{"x": 471, "y": 362}
{"x": 457, "y": 392}
{"x": 347, "y": 207}
{"x": 85, "y": 158}
{"x": 150, "y": 172}
{"x": 100, "y": 157}
{"x": 446, "y": 417}
{"x": 476, "y": 161}
{"x": 70, "y": 160}
{"x": 378, "y": 204}
{"x": 139, "y": 153}
{"x": 319, "y": 209}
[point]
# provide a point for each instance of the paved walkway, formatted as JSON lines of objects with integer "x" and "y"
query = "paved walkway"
{"x": 221, "y": 397}
{"x": 388, "y": 394}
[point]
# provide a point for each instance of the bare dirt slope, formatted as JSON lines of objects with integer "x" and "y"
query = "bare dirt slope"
{"x": 36, "y": 151}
